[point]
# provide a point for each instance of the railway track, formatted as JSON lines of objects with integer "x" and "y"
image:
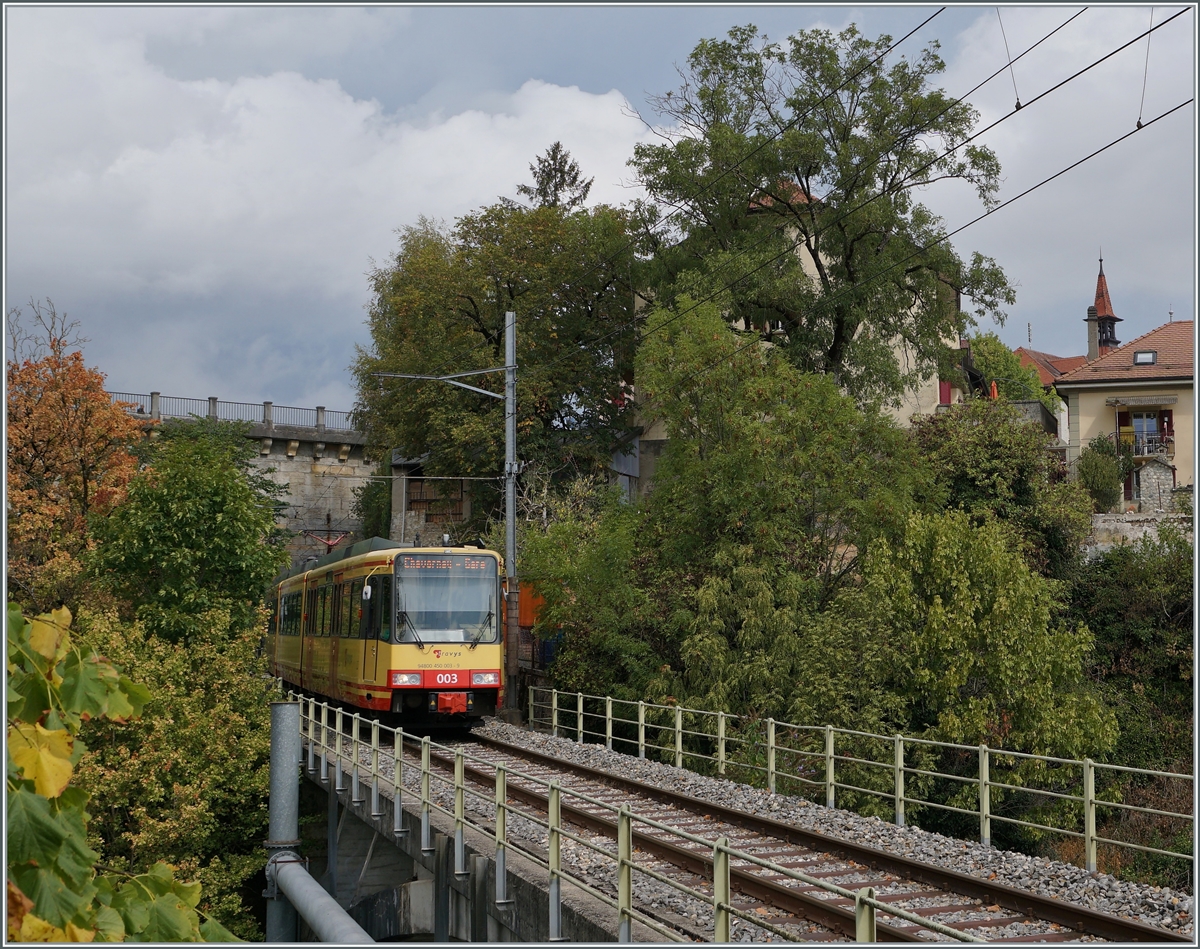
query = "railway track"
{"x": 785, "y": 907}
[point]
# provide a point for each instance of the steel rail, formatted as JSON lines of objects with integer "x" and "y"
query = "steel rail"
{"x": 811, "y": 908}
{"x": 1079, "y": 918}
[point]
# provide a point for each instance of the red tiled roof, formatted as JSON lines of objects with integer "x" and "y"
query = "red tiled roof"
{"x": 788, "y": 191}
{"x": 1069, "y": 363}
{"x": 1173, "y": 342}
{"x": 1049, "y": 368}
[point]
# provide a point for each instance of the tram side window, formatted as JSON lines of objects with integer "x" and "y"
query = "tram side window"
{"x": 311, "y": 613}
{"x": 376, "y": 621}
{"x": 352, "y": 620}
{"x": 345, "y": 610}
{"x": 323, "y": 611}
{"x": 295, "y": 613}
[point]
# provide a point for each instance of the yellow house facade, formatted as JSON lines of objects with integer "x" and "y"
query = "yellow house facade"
{"x": 1142, "y": 395}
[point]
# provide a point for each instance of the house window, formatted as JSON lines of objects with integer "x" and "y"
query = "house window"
{"x": 1145, "y": 357}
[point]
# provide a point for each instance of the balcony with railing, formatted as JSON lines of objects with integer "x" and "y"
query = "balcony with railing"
{"x": 1146, "y": 445}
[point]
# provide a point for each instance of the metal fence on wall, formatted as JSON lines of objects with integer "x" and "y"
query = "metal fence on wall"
{"x": 161, "y": 406}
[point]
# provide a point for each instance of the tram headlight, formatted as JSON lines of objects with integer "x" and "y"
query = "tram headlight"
{"x": 485, "y": 678}
{"x": 406, "y": 678}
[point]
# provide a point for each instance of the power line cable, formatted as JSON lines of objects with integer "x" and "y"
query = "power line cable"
{"x": 796, "y": 244}
{"x": 958, "y": 230}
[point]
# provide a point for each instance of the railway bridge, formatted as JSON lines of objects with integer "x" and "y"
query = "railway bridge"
{"x": 484, "y": 837}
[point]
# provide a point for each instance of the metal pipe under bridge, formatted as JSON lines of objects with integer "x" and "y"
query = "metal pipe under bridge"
{"x": 396, "y": 865}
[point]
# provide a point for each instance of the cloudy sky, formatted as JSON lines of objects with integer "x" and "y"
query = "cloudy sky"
{"x": 205, "y": 188}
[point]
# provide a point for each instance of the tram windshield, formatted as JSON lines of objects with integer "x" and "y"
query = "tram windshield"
{"x": 446, "y": 598}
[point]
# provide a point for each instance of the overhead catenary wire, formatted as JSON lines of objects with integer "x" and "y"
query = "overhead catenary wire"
{"x": 1004, "y": 36}
{"x": 958, "y": 230}
{"x": 792, "y": 248}
{"x": 1145, "y": 72}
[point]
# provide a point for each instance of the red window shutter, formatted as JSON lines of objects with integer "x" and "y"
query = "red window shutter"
{"x": 1166, "y": 422}
{"x": 1124, "y": 420}
{"x": 944, "y": 392}
{"x": 1129, "y": 488}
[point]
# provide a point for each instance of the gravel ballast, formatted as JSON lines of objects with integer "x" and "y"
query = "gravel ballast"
{"x": 1153, "y": 905}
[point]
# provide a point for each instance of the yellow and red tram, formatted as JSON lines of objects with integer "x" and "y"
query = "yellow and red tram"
{"x": 413, "y": 630}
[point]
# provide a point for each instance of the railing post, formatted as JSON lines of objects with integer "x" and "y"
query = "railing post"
{"x": 320, "y": 418}
{"x": 641, "y": 729}
{"x": 426, "y": 842}
{"x": 678, "y": 737}
{"x": 156, "y": 405}
{"x": 312, "y": 727}
{"x": 830, "y": 778}
{"x": 212, "y": 406}
{"x": 771, "y": 755}
{"x": 397, "y": 782}
{"x": 985, "y": 796}
{"x": 460, "y": 855}
{"x": 720, "y": 742}
{"x": 721, "y": 899}
{"x": 324, "y": 743}
{"x": 501, "y": 836}
{"x": 898, "y": 769}
{"x": 375, "y": 811}
{"x": 1089, "y": 814}
{"x": 338, "y": 757}
{"x": 554, "y": 712}
{"x": 579, "y": 716}
{"x": 555, "y": 861}
{"x": 608, "y": 722}
{"x": 531, "y": 690}
{"x": 624, "y": 875}
{"x": 864, "y": 915}
{"x": 269, "y": 414}
{"x": 355, "y": 751}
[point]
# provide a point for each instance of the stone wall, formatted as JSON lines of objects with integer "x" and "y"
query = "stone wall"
{"x": 320, "y": 470}
{"x": 1109, "y": 530}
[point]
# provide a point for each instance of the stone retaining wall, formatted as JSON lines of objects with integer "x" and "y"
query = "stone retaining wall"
{"x": 1109, "y": 530}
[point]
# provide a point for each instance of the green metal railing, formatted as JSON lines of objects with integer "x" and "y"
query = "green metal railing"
{"x": 352, "y": 757}
{"x": 884, "y": 768}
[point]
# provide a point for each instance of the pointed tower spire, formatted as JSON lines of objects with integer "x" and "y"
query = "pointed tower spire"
{"x": 1102, "y": 321}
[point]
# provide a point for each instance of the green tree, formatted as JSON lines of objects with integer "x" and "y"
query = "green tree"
{"x": 188, "y": 782}
{"x": 557, "y": 181}
{"x": 195, "y": 534}
{"x": 770, "y": 486}
{"x": 991, "y": 461}
{"x": 1139, "y": 601}
{"x": 979, "y": 656}
{"x": 1013, "y": 381}
{"x": 791, "y": 181}
{"x": 56, "y": 891}
{"x": 439, "y": 305}
{"x": 372, "y": 504}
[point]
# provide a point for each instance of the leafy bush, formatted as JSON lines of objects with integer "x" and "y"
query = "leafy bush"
{"x": 55, "y": 892}
{"x": 187, "y": 783}
{"x": 1102, "y": 471}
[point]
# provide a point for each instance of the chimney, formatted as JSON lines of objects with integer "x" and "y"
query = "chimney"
{"x": 1093, "y": 323}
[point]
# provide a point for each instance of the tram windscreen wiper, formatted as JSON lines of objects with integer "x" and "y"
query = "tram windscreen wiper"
{"x": 409, "y": 623}
{"x": 484, "y": 627}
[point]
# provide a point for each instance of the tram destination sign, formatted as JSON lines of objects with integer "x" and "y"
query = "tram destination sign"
{"x": 447, "y": 565}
